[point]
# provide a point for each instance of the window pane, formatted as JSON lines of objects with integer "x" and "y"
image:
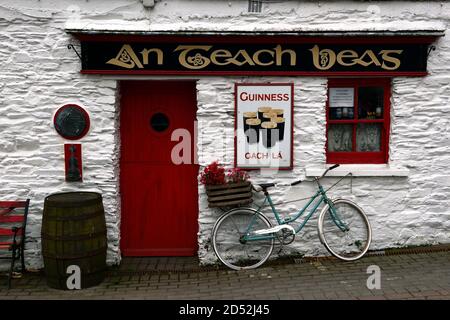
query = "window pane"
{"x": 340, "y": 137}
{"x": 370, "y": 103}
{"x": 341, "y": 103}
{"x": 368, "y": 137}
{"x": 341, "y": 113}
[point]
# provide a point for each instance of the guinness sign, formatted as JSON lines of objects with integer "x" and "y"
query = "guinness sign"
{"x": 251, "y": 58}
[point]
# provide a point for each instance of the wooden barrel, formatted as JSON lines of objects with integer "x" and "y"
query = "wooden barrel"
{"x": 74, "y": 233}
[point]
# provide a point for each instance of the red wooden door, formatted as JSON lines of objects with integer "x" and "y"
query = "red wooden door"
{"x": 159, "y": 198}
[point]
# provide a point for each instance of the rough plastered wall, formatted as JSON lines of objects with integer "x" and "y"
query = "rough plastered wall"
{"x": 216, "y": 127}
{"x": 403, "y": 211}
{"x": 38, "y": 74}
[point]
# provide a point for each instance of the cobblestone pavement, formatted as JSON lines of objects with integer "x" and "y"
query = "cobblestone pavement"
{"x": 405, "y": 276}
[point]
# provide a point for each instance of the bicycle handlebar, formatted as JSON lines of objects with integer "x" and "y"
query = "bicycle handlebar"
{"x": 330, "y": 168}
{"x": 323, "y": 175}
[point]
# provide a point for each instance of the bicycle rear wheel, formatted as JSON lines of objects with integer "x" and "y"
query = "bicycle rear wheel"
{"x": 345, "y": 231}
{"x": 229, "y": 245}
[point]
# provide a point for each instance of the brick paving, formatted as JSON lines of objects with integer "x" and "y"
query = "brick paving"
{"x": 404, "y": 276}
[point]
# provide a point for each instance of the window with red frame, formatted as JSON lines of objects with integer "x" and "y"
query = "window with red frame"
{"x": 358, "y": 113}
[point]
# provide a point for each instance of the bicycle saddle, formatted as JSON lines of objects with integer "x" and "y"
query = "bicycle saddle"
{"x": 264, "y": 186}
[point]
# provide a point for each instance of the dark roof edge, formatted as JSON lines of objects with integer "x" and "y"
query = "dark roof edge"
{"x": 326, "y": 33}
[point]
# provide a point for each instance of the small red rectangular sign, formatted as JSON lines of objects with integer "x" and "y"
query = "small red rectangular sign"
{"x": 73, "y": 162}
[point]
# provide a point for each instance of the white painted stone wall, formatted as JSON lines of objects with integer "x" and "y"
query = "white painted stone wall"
{"x": 38, "y": 74}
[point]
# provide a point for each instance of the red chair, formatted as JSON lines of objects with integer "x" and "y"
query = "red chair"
{"x": 13, "y": 220}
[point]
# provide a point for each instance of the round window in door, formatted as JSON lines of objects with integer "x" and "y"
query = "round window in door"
{"x": 159, "y": 122}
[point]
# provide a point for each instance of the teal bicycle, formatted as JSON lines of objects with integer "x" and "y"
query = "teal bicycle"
{"x": 244, "y": 238}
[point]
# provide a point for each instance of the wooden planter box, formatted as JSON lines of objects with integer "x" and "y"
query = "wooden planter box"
{"x": 229, "y": 195}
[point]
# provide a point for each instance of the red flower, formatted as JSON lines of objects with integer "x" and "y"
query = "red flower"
{"x": 214, "y": 173}
{"x": 237, "y": 175}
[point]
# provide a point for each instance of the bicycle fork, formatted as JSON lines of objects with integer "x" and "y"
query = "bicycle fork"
{"x": 335, "y": 217}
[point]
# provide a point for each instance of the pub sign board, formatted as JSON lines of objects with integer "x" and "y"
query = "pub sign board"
{"x": 248, "y": 56}
{"x": 264, "y": 125}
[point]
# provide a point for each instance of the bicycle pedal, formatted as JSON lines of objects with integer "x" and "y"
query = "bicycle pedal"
{"x": 281, "y": 249}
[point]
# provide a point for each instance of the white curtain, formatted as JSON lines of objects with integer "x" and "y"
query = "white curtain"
{"x": 368, "y": 137}
{"x": 340, "y": 137}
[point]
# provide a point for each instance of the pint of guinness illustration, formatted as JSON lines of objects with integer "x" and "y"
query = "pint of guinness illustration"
{"x": 261, "y": 112}
{"x": 248, "y": 115}
{"x": 280, "y": 126}
{"x": 252, "y": 132}
{"x": 278, "y": 112}
{"x": 263, "y": 123}
{"x": 268, "y": 115}
{"x": 269, "y": 134}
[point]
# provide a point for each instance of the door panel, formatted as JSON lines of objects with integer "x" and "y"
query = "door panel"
{"x": 159, "y": 198}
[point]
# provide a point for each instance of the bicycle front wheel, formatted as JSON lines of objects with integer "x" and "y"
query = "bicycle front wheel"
{"x": 345, "y": 230}
{"x": 228, "y": 239}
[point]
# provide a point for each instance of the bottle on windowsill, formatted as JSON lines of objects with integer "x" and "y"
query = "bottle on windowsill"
{"x": 350, "y": 113}
{"x": 378, "y": 112}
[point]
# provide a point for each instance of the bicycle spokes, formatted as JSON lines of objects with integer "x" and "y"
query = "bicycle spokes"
{"x": 345, "y": 231}
{"x": 231, "y": 244}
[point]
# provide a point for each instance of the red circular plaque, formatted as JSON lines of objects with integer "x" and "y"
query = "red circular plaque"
{"x": 71, "y": 122}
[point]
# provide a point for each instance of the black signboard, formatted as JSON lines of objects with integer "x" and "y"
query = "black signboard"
{"x": 245, "y": 58}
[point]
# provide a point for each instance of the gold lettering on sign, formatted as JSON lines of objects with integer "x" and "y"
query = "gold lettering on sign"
{"x": 219, "y": 54}
{"x": 323, "y": 59}
{"x": 371, "y": 55}
{"x": 126, "y": 58}
{"x": 197, "y": 61}
{"x": 347, "y": 54}
{"x": 279, "y": 56}
{"x": 196, "y": 57}
{"x": 244, "y": 55}
{"x": 326, "y": 58}
{"x": 191, "y": 58}
{"x": 386, "y": 57}
{"x": 257, "y": 59}
{"x": 159, "y": 55}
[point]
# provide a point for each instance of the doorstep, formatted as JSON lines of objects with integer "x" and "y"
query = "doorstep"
{"x": 158, "y": 264}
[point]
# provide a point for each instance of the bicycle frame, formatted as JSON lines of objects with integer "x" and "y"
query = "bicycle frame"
{"x": 321, "y": 194}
